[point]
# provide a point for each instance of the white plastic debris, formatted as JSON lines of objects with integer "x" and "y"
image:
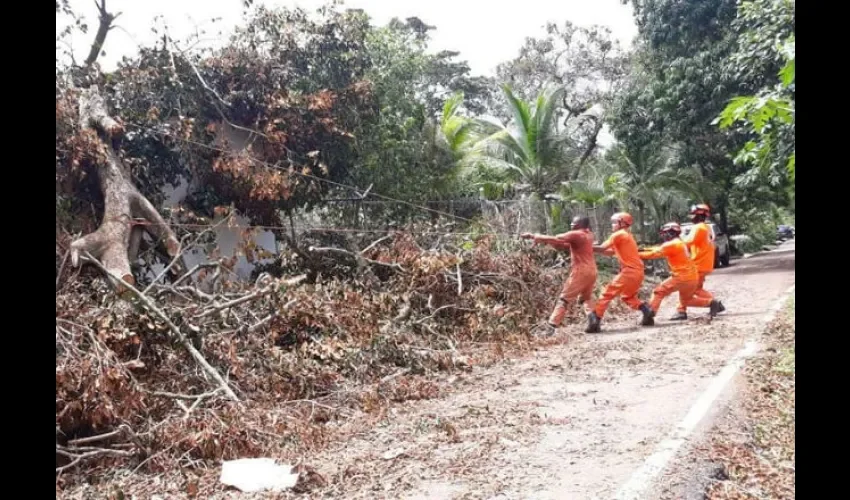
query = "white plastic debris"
{"x": 391, "y": 454}
{"x": 257, "y": 474}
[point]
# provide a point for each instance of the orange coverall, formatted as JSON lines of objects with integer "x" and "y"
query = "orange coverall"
{"x": 627, "y": 283}
{"x": 702, "y": 252}
{"x": 685, "y": 276}
{"x": 579, "y": 285}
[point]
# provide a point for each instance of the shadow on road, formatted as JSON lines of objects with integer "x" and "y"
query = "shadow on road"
{"x": 763, "y": 263}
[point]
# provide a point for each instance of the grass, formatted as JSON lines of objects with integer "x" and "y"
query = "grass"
{"x": 758, "y": 461}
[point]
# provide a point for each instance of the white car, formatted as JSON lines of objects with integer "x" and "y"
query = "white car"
{"x": 722, "y": 252}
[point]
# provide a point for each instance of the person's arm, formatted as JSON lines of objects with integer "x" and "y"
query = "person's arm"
{"x": 651, "y": 253}
{"x": 606, "y": 248}
{"x": 557, "y": 241}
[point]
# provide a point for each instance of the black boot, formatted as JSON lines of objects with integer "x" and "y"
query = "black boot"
{"x": 714, "y": 308}
{"x": 593, "y": 323}
{"x": 648, "y": 315}
{"x": 679, "y": 316}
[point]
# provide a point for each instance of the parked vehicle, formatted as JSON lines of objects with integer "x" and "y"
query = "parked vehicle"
{"x": 784, "y": 232}
{"x": 722, "y": 250}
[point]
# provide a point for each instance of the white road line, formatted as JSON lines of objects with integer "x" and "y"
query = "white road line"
{"x": 642, "y": 478}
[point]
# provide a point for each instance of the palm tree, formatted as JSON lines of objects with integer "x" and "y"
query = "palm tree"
{"x": 646, "y": 180}
{"x": 531, "y": 147}
{"x": 653, "y": 184}
{"x": 448, "y": 141}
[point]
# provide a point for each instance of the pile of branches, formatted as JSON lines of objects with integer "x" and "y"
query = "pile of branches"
{"x": 203, "y": 369}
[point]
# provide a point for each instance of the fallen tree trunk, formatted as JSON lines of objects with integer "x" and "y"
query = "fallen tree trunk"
{"x": 127, "y": 213}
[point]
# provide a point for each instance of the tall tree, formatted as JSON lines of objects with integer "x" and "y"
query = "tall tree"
{"x": 397, "y": 152}
{"x": 587, "y": 62}
{"x": 679, "y": 87}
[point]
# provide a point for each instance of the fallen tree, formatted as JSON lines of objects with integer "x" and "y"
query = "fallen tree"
{"x": 126, "y": 213}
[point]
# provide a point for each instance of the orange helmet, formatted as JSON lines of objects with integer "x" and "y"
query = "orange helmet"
{"x": 701, "y": 209}
{"x": 671, "y": 228}
{"x": 622, "y": 218}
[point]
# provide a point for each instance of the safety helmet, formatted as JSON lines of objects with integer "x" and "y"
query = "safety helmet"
{"x": 671, "y": 228}
{"x": 580, "y": 222}
{"x": 622, "y": 218}
{"x": 700, "y": 209}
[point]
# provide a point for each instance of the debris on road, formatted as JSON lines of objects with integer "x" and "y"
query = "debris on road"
{"x": 257, "y": 474}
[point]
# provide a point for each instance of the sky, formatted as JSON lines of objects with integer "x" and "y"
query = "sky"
{"x": 484, "y": 34}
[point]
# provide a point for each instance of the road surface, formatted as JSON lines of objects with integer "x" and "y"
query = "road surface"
{"x": 572, "y": 421}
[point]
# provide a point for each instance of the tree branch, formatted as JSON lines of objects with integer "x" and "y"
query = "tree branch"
{"x": 105, "y": 24}
{"x": 255, "y": 295}
{"x": 358, "y": 258}
{"x": 198, "y": 357}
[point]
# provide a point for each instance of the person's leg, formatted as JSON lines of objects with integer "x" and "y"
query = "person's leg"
{"x": 586, "y": 295}
{"x": 586, "y": 298}
{"x": 629, "y": 291}
{"x": 682, "y": 308}
{"x": 687, "y": 296}
{"x": 569, "y": 294}
{"x": 594, "y": 319}
{"x": 662, "y": 291}
{"x": 701, "y": 292}
{"x": 611, "y": 291}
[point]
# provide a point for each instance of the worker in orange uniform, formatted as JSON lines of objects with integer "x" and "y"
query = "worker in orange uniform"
{"x": 701, "y": 248}
{"x": 685, "y": 278}
{"x": 627, "y": 283}
{"x": 579, "y": 285}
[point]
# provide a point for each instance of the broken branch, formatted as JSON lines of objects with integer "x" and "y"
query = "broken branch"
{"x": 199, "y": 358}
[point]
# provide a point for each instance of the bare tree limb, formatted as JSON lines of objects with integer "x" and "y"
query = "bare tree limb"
{"x": 376, "y": 243}
{"x": 255, "y": 295}
{"x": 195, "y": 269}
{"x": 182, "y": 250}
{"x": 76, "y": 459}
{"x": 105, "y": 20}
{"x": 443, "y": 308}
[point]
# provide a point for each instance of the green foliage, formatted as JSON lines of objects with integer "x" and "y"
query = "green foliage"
{"x": 693, "y": 59}
{"x": 586, "y": 62}
{"x": 645, "y": 181}
{"x": 767, "y": 115}
{"x": 758, "y": 224}
{"x": 336, "y": 97}
{"x": 410, "y": 149}
{"x": 531, "y": 149}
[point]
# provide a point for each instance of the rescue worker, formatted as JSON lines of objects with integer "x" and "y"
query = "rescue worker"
{"x": 627, "y": 283}
{"x": 702, "y": 250}
{"x": 579, "y": 285}
{"x": 685, "y": 277}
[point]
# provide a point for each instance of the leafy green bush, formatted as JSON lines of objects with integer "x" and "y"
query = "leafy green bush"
{"x": 758, "y": 225}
